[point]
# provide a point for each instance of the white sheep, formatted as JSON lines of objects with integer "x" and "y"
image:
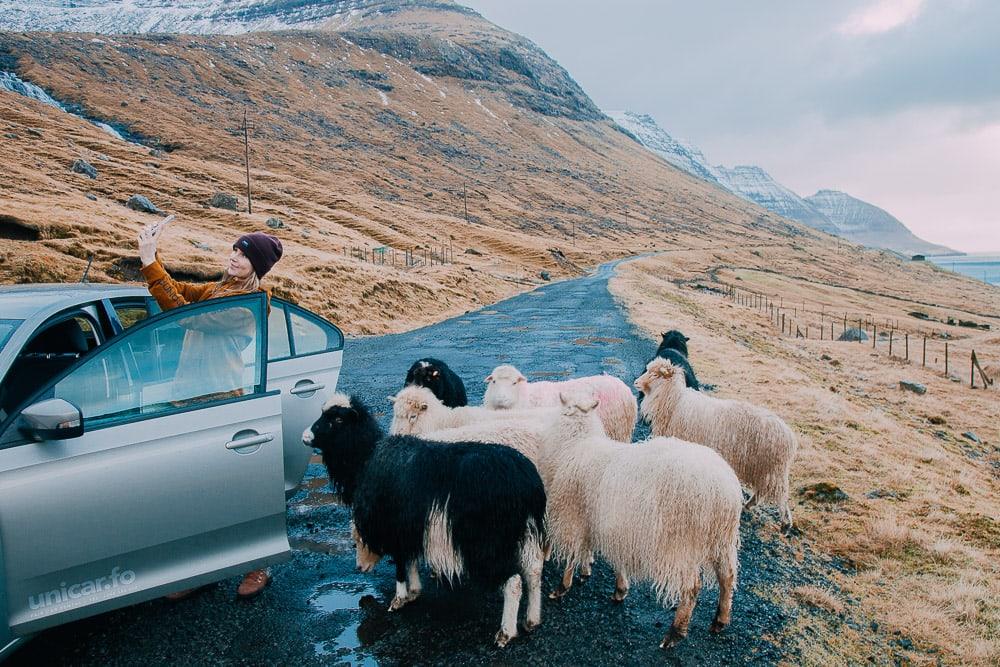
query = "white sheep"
{"x": 754, "y": 441}
{"x": 416, "y": 411}
{"x": 663, "y": 510}
{"x": 508, "y": 389}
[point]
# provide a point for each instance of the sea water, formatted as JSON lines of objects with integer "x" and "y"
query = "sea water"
{"x": 981, "y": 266}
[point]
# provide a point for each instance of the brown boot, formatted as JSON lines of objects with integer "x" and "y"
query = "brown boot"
{"x": 253, "y": 583}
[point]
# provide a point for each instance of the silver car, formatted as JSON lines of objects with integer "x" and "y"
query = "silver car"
{"x": 124, "y": 477}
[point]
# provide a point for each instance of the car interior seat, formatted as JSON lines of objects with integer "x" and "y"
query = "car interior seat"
{"x": 45, "y": 356}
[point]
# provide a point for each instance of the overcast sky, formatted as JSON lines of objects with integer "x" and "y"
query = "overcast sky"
{"x": 896, "y": 102}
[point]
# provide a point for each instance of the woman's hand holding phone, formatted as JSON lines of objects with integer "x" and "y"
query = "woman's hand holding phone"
{"x": 148, "y": 238}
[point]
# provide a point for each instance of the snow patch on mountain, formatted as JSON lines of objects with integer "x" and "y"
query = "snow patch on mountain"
{"x": 179, "y": 16}
{"x": 753, "y": 183}
{"x": 677, "y": 152}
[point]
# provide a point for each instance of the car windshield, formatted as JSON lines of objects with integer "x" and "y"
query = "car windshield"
{"x": 7, "y": 328}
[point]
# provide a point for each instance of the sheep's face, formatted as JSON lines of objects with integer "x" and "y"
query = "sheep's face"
{"x": 659, "y": 372}
{"x": 675, "y": 340}
{"x": 426, "y": 374}
{"x": 364, "y": 558}
{"x": 505, "y": 388}
{"x": 409, "y": 410}
{"x": 578, "y": 404}
{"x": 337, "y": 418}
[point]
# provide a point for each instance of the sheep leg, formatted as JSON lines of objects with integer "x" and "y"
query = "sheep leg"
{"x": 511, "y": 601}
{"x": 403, "y": 594}
{"x": 566, "y": 583}
{"x": 588, "y": 560}
{"x": 682, "y": 617}
{"x": 621, "y": 588}
{"x": 786, "y": 516}
{"x": 532, "y": 576}
{"x": 751, "y": 502}
{"x": 726, "y": 575}
{"x": 413, "y": 581}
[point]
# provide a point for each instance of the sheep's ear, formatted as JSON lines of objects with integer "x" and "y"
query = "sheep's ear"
{"x": 353, "y": 413}
{"x": 423, "y": 407}
{"x": 392, "y": 399}
{"x": 686, "y": 339}
{"x": 562, "y": 398}
{"x": 489, "y": 378}
{"x": 663, "y": 334}
{"x": 594, "y": 402}
{"x": 520, "y": 378}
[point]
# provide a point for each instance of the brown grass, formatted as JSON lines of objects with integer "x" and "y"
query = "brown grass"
{"x": 921, "y": 523}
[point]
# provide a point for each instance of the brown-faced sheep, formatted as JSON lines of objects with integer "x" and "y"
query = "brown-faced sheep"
{"x": 508, "y": 389}
{"x": 754, "y": 441}
{"x": 663, "y": 510}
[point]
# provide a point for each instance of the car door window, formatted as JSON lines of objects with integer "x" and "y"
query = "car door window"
{"x": 130, "y": 314}
{"x": 278, "y": 345}
{"x": 311, "y": 335}
{"x": 200, "y": 353}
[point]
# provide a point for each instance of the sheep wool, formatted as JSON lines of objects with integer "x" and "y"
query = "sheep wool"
{"x": 663, "y": 510}
{"x": 417, "y": 410}
{"x": 754, "y": 441}
{"x": 508, "y": 389}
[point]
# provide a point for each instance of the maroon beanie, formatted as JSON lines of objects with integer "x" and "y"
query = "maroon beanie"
{"x": 263, "y": 251}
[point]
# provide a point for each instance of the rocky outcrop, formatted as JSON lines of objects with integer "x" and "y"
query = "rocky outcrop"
{"x": 753, "y": 183}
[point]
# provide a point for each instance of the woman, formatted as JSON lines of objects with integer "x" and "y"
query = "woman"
{"x": 202, "y": 372}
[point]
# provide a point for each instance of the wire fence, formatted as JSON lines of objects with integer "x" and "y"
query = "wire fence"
{"x": 402, "y": 257}
{"x": 926, "y": 346}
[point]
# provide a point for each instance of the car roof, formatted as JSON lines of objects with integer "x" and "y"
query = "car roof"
{"x": 22, "y": 301}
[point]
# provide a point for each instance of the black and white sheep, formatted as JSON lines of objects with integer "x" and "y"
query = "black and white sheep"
{"x": 468, "y": 510}
{"x": 674, "y": 349}
{"x": 436, "y": 376}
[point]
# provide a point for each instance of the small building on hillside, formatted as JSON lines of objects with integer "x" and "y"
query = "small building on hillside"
{"x": 917, "y": 258}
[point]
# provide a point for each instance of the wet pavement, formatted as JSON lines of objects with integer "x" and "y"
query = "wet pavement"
{"x": 318, "y": 610}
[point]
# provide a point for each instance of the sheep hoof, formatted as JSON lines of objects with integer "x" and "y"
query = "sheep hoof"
{"x": 398, "y": 602}
{"x": 531, "y": 626}
{"x": 789, "y": 530}
{"x": 672, "y": 638}
{"x": 717, "y": 627}
{"x": 558, "y": 593}
{"x": 619, "y": 595}
{"x": 502, "y": 639}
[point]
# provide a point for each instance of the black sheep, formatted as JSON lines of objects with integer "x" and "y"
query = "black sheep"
{"x": 674, "y": 349}
{"x": 468, "y": 510}
{"x": 436, "y": 376}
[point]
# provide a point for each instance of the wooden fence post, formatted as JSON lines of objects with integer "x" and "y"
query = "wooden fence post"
{"x": 874, "y": 334}
{"x": 925, "y": 351}
{"x": 906, "y": 340}
{"x": 782, "y": 323}
{"x": 859, "y": 331}
{"x": 890, "y": 341}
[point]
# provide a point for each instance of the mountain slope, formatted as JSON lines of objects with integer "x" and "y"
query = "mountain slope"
{"x": 755, "y": 184}
{"x": 678, "y": 153}
{"x": 362, "y": 137}
{"x": 868, "y": 224}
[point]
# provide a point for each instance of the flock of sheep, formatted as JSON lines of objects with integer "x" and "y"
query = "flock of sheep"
{"x": 547, "y": 469}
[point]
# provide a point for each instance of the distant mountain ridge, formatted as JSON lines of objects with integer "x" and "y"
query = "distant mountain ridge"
{"x": 192, "y": 16}
{"x": 829, "y": 211}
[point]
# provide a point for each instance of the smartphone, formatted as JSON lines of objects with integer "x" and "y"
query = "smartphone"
{"x": 156, "y": 228}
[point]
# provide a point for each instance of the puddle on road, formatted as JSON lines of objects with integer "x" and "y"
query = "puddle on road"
{"x": 591, "y": 341}
{"x": 341, "y": 597}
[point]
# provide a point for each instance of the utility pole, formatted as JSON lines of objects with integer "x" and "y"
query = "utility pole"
{"x": 465, "y": 198}
{"x": 246, "y": 150}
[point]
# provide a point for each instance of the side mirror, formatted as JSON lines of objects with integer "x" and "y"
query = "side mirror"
{"x": 52, "y": 419}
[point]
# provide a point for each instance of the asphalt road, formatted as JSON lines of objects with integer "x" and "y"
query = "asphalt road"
{"x": 318, "y": 610}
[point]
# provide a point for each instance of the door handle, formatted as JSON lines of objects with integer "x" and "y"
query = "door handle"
{"x": 250, "y": 442}
{"x": 306, "y": 388}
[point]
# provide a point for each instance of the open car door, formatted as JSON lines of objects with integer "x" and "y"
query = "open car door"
{"x": 168, "y": 475}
